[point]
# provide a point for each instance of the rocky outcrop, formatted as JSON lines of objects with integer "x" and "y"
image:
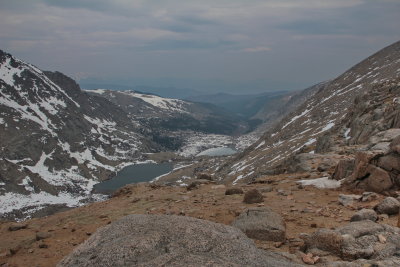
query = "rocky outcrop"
{"x": 160, "y": 240}
{"x": 377, "y": 170}
{"x": 262, "y": 224}
{"x": 365, "y": 241}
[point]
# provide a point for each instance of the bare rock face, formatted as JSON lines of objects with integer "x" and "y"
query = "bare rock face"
{"x": 388, "y": 206}
{"x": 262, "y": 224}
{"x": 161, "y": 240}
{"x": 253, "y": 196}
{"x": 364, "y": 214}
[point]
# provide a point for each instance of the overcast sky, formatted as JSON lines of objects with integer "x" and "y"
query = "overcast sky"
{"x": 211, "y": 45}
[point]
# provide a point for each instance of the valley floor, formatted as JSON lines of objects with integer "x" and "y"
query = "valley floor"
{"x": 304, "y": 209}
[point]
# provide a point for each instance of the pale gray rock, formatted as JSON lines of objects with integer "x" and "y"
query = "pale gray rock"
{"x": 389, "y": 206}
{"x": 347, "y": 200}
{"x": 364, "y": 214}
{"x": 161, "y": 240}
{"x": 368, "y": 196}
{"x": 261, "y": 223}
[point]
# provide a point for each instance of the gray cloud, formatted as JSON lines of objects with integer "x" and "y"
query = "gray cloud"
{"x": 207, "y": 45}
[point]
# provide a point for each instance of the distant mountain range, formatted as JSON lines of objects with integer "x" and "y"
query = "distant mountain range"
{"x": 168, "y": 92}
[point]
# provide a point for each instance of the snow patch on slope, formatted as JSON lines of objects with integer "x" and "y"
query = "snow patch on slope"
{"x": 321, "y": 183}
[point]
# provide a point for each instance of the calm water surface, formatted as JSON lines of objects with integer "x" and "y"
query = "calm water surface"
{"x": 133, "y": 174}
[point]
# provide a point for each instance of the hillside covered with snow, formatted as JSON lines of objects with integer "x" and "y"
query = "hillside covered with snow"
{"x": 56, "y": 140}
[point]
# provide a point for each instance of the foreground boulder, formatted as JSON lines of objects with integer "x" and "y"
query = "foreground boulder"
{"x": 262, "y": 224}
{"x": 161, "y": 240}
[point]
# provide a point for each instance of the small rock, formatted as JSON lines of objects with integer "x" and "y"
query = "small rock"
{"x": 278, "y": 244}
{"x": 389, "y": 206}
{"x": 307, "y": 210}
{"x": 382, "y": 239}
{"x": 261, "y": 224}
{"x": 136, "y": 199}
{"x": 282, "y": 192}
{"x": 5, "y": 253}
{"x": 42, "y": 235}
{"x": 204, "y": 176}
{"x": 253, "y": 196}
{"x": 364, "y": 214}
{"x": 324, "y": 239}
{"x": 17, "y": 226}
{"x": 369, "y": 196}
{"x": 233, "y": 191}
{"x": 88, "y": 233}
{"x": 219, "y": 186}
{"x": 266, "y": 189}
{"x": 347, "y": 200}
{"x": 310, "y": 259}
{"x": 382, "y": 217}
{"x": 196, "y": 184}
{"x": 15, "y": 249}
{"x": 43, "y": 245}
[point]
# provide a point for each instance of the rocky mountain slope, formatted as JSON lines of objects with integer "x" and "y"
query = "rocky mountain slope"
{"x": 57, "y": 141}
{"x": 322, "y": 111}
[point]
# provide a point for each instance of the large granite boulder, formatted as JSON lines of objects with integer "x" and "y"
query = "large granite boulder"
{"x": 161, "y": 240}
{"x": 262, "y": 224}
